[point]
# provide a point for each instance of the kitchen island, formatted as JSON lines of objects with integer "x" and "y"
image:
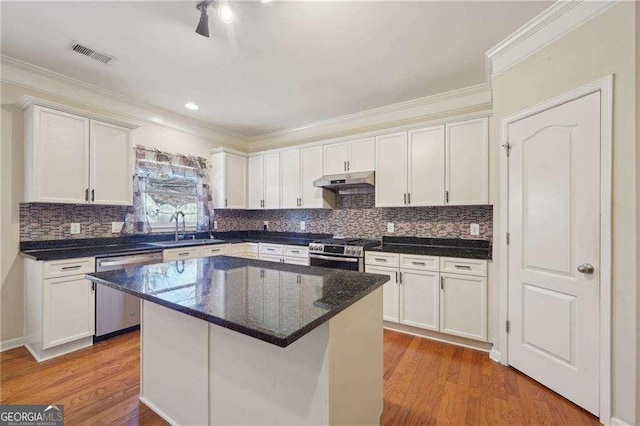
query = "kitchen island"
{"x": 237, "y": 341}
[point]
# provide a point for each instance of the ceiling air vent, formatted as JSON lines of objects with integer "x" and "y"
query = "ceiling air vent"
{"x": 93, "y": 54}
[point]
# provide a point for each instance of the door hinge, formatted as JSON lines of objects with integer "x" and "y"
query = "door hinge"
{"x": 508, "y": 327}
{"x": 508, "y": 238}
{"x": 507, "y": 147}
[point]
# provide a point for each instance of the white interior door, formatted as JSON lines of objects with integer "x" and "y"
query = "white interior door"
{"x": 554, "y": 273}
{"x": 111, "y": 166}
{"x": 256, "y": 182}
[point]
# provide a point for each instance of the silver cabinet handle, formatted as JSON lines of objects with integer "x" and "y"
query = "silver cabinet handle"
{"x": 409, "y": 198}
{"x": 225, "y": 202}
{"x": 586, "y": 268}
{"x": 379, "y": 259}
{"x": 86, "y": 195}
{"x": 400, "y": 277}
{"x": 348, "y": 165}
{"x": 446, "y": 197}
{"x": 295, "y": 251}
{"x": 396, "y": 277}
{"x": 441, "y": 282}
{"x": 68, "y": 268}
{"x": 418, "y": 263}
{"x": 405, "y": 198}
{"x": 462, "y": 266}
{"x": 93, "y": 195}
{"x": 183, "y": 254}
{"x": 344, "y": 165}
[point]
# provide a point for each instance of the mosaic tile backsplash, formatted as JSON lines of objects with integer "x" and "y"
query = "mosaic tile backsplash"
{"x": 353, "y": 216}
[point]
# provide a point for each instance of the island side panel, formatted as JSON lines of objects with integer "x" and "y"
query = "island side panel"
{"x": 356, "y": 367}
{"x": 253, "y": 382}
{"x": 174, "y": 363}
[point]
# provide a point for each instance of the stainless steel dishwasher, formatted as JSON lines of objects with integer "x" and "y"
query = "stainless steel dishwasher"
{"x": 116, "y": 311}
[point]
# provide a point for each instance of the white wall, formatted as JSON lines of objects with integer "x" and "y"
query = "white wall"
{"x": 11, "y": 190}
{"x": 602, "y": 46}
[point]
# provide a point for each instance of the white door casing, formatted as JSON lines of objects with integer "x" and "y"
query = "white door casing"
{"x": 554, "y": 226}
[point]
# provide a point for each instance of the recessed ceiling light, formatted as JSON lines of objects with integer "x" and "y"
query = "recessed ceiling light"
{"x": 225, "y": 13}
{"x": 191, "y": 106}
{"x": 265, "y": 1}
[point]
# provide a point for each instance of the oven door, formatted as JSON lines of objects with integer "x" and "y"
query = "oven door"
{"x": 336, "y": 262}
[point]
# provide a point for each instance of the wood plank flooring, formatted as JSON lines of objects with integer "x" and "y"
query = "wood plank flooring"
{"x": 426, "y": 382}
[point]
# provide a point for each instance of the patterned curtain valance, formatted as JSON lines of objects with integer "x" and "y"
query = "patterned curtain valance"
{"x": 155, "y": 163}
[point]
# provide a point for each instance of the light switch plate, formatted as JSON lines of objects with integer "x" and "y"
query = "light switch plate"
{"x": 116, "y": 227}
{"x": 474, "y": 229}
{"x": 303, "y": 225}
{"x": 75, "y": 228}
{"x": 391, "y": 227}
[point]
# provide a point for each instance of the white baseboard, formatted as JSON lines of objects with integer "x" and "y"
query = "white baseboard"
{"x": 11, "y": 344}
{"x": 156, "y": 410}
{"x": 440, "y": 337}
{"x": 617, "y": 422}
{"x": 495, "y": 355}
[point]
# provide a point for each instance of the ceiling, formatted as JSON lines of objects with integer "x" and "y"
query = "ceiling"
{"x": 279, "y": 65}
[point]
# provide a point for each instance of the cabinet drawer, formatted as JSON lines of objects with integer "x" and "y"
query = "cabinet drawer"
{"x": 66, "y": 267}
{"x": 252, "y": 248}
{"x": 463, "y": 266}
{"x": 296, "y": 251}
{"x": 270, "y": 258}
{"x": 296, "y": 260}
{"x": 214, "y": 250}
{"x": 180, "y": 254}
{"x": 422, "y": 263}
{"x": 390, "y": 260}
{"x": 243, "y": 248}
{"x": 271, "y": 249}
{"x": 249, "y": 255}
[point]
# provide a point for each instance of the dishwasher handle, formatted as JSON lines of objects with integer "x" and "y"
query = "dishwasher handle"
{"x": 129, "y": 260}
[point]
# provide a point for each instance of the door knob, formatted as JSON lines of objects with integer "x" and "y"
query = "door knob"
{"x": 586, "y": 268}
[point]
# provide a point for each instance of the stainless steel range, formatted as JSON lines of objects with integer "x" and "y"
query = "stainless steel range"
{"x": 340, "y": 253}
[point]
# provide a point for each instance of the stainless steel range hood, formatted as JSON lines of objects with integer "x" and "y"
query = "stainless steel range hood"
{"x": 348, "y": 183}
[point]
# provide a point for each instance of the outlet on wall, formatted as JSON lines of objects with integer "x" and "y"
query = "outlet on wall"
{"x": 391, "y": 227}
{"x": 474, "y": 229}
{"x": 215, "y": 225}
{"x": 116, "y": 227}
{"x": 303, "y": 225}
{"x": 75, "y": 228}
{"x": 265, "y": 225}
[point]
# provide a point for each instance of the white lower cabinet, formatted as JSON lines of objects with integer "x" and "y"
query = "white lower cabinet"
{"x": 463, "y": 306}
{"x": 419, "y": 295}
{"x": 294, "y": 255}
{"x": 195, "y": 252}
{"x": 59, "y": 306}
{"x": 420, "y": 299}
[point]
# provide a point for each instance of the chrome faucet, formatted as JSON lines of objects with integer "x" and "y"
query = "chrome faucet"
{"x": 176, "y": 217}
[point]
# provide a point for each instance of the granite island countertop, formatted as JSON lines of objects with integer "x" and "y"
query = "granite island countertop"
{"x": 274, "y": 302}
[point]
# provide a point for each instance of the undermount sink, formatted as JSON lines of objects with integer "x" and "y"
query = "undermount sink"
{"x": 181, "y": 243}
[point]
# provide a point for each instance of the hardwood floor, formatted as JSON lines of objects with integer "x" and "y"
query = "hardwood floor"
{"x": 426, "y": 382}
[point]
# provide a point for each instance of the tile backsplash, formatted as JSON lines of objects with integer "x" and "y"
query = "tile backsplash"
{"x": 353, "y": 215}
{"x": 357, "y": 216}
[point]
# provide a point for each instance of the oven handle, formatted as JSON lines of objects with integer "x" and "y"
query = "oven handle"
{"x": 339, "y": 259}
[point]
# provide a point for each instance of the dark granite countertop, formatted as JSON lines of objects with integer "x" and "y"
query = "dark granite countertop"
{"x": 97, "y": 247}
{"x": 443, "y": 247}
{"x": 274, "y": 302}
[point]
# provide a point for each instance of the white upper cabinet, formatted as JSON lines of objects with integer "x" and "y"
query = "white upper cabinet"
{"x": 362, "y": 155}
{"x": 256, "y": 182}
{"x": 355, "y": 156}
{"x": 57, "y": 156}
{"x": 335, "y": 158}
{"x": 426, "y": 167}
{"x": 229, "y": 180}
{"x": 74, "y": 159}
{"x": 391, "y": 170}
{"x": 467, "y": 162}
{"x": 111, "y": 164}
{"x": 312, "y": 197}
{"x": 290, "y": 176}
{"x": 271, "y": 181}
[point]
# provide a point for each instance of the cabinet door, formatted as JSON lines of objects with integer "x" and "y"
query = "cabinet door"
{"x": 272, "y": 181}
{"x": 362, "y": 155}
{"x": 391, "y": 170}
{"x": 111, "y": 165}
{"x": 426, "y": 167}
{"x": 180, "y": 254}
{"x": 290, "y": 177}
{"x": 390, "y": 293}
{"x": 420, "y": 299}
{"x": 467, "y": 162}
{"x": 463, "y": 306}
{"x": 57, "y": 157}
{"x": 235, "y": 181}
{"x": 256, "y": 182}
{"x": 68, "y": 310}
{"x": 335, "y": 158}
{"x": 310, "y": 171}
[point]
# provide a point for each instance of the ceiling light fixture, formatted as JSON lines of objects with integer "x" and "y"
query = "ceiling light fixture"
{"x": 191, "y": 106}
{"x": 265, "y": 1}
{"x": 224, "y": 12}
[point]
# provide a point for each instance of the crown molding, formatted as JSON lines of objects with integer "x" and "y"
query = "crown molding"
{"x": 45, "y": 81}
{"x": 227, "y": 150}
{"x": 554, "y": 22}
{"x": 452, "y": 103}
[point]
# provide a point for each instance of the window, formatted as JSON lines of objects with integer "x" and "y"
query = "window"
{"x": 165, "y": 184}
